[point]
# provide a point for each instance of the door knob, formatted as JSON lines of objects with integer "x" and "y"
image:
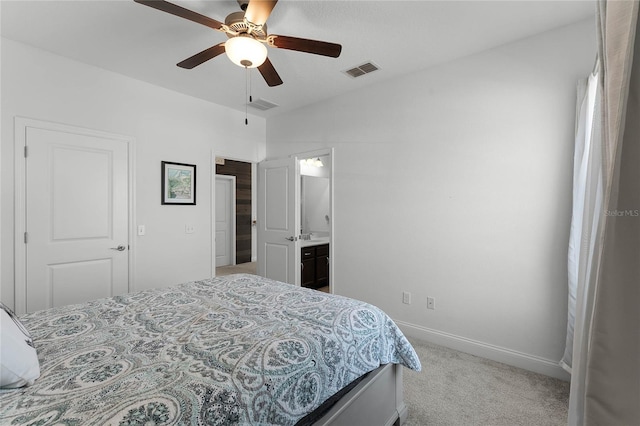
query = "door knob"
{"x": 290, "y": 238}
{"x": 119, "y": 248}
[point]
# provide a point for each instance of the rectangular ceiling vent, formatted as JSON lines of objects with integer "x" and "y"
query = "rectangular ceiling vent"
{"x": 361, "y": 70}
{"x": 262, "y": 104}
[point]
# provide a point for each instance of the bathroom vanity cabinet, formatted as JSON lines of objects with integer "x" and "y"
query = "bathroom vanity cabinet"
{"x": 315, "y": 266}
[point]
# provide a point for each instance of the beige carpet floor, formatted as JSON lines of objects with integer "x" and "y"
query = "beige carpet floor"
{"x": 242, "y": 268}
{"x": 458, "y": 389}
{"x": 248, "y": 268}
{"x": 455, "y": 388}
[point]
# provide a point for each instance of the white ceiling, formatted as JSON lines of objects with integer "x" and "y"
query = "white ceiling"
{"x": 401, "y": 37}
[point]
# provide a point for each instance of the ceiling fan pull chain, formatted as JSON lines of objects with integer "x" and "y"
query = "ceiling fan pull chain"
{"x": 246, "y": 95}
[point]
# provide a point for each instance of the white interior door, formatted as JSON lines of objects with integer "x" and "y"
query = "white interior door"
{"x": 279, "y": 220}
{"x": 225, "y": 220}
{"x": 77, "y": 226}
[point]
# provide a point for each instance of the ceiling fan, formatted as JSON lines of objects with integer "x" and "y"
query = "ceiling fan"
{"x": 247, "y": 32}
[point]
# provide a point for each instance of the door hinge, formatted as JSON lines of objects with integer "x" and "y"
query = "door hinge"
{"x": 25, "y": 238}
{"x": 26, "y": 151}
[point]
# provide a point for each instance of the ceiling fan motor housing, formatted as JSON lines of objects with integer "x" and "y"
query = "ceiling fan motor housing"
{"x": 236, "y": 23}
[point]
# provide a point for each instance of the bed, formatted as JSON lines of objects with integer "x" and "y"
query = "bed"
{"x": 238, "y": 349}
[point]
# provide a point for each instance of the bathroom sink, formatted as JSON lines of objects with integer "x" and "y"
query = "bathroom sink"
{"x": 314, "y": 241}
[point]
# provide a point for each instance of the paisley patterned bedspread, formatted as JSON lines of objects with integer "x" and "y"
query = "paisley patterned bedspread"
{"x": 239, "y": 349}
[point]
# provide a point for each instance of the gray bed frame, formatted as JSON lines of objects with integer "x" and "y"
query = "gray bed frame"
{"x": 376, "y": 400}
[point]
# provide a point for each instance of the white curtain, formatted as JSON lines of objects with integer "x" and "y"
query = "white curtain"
{"x": 603, "y": 335}
{"x": 587, "y": 209}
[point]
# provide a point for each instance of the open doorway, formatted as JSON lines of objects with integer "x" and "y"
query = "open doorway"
{"x": 315, "y": 221}
{"x": 241, "y": 260}
{"x": 293, "y": 248}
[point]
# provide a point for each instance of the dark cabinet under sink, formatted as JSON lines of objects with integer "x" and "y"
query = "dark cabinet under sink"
{"x": 315, "y": 266}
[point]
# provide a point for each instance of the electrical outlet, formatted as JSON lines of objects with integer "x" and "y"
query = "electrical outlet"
{"x": 431, "y": 303}
{"x": 406, "y": 297}
{"x": 189, "y": 229}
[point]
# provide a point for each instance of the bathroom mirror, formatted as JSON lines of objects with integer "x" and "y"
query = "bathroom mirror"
{"x": 314, "y": 197}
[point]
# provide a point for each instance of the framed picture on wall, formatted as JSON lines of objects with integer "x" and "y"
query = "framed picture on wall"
{"x": 178, "y": 183}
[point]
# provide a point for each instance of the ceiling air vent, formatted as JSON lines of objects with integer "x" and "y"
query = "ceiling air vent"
{"x": 262, "y": 104}
{"x": 361, "y": 70}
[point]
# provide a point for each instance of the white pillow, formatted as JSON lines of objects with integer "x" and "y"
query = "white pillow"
{"x": 18, "y": 358}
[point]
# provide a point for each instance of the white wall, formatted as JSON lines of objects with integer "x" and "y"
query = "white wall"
{"x": 455, "y": 183}
{"x": 166, "y": 126}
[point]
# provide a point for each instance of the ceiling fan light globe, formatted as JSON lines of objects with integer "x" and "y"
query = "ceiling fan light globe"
{"x": 245, "y": 51}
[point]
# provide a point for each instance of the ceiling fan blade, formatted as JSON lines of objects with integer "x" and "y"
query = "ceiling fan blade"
{"x": 305, "y": 45}
{"x": 258, "y": 11}
{"x": 180, "y": 11}
{"x": 202, "y": 57}
{"x": 269, "y": 73}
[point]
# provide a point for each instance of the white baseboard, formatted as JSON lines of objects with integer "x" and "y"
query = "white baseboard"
{"x": 485, "y": 350}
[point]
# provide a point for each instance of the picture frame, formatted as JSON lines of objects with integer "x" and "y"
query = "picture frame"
{"x": 178, "y": 183}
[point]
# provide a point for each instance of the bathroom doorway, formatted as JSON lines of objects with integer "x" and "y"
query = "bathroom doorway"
{"x": 281, "y": 234}
{"x": 315, "y": 222}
